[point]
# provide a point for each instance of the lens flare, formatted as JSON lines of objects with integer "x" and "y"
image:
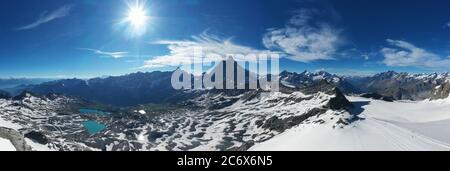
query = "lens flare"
{"x": 137, "y": 18}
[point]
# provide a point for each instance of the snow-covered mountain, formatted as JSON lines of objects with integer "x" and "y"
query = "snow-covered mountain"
{"x": 214, "y": 120}
{"x": 402, "y": 86}
{"x": 155, "y": 87}
{"x": 238, "y": 122}
{"x": 310, "y": 112}
{"x": 309, "y": 78}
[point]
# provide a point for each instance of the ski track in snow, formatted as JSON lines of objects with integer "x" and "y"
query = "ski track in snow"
{"x": 387, "y": 126}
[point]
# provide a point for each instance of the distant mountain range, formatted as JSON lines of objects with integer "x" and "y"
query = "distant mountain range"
{"x": 131, "y": 89}
{"x": 232, "y": 120}
{"x": 144, "y": 112}
{"x": 155, "y": 87}
{"x": 404, "y": 86}
{"x": 306, "y": 78}
{"x": 14, "y": 82}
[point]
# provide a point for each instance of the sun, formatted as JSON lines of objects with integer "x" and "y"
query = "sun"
{"x": 137, "y": 18}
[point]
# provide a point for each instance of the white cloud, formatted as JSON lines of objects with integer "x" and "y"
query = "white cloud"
{"x": 182, "y": 51}
{"x": 304, "y": 38}
{"x": 47, "y": 17}
{"x": 107, "y": 54}
{"x": 320, "y": 70}
{"x": 406, "y": 54}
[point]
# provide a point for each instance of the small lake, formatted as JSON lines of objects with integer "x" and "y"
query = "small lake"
{"x": 93, "y": 127}
{"x": 93, "y": 112}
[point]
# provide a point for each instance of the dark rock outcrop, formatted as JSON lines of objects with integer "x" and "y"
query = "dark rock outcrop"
{"x": 377, "y": 96}
{"x": 16, "y": 138}
{"x": 280, "y": 125}
{"x": 37, "y": 137}
{"x": 24, "y": 95}
{"x": 339, "y": 102}
{"x": 441, "y": 92}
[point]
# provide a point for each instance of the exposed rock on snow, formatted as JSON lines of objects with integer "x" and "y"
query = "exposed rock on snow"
{"x": 400, "y": 125}
{"x": 441, "y": 91}
{"x": 214, "y": 120}
{"x": 377, "y": 96}
{"x": 401, "y": 86}
{"x": 16, "y": 139}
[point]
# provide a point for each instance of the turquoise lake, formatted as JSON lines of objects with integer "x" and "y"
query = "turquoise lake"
{"x": 93, "y": 127}
{"x": 93, "y": 112}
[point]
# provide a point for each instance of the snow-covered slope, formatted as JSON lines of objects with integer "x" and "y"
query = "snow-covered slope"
{"x": 402, "y": 125}
{"x": 6, "y": 145}
{"x": 315, "y": 117}
{"x": 248, "y": 118}
{"x": 45, "y": 115}
{"x": 214, "y": 120}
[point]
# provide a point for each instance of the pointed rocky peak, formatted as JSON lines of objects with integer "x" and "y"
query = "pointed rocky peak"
{"x": 339, "y": 101}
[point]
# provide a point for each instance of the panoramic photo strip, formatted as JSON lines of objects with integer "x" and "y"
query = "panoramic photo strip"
{"x": 224, "y": 75}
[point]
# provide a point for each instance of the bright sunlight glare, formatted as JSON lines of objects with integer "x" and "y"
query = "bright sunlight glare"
{"x": 137, "y": 18}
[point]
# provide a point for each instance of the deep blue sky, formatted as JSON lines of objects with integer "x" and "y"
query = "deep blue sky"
{"x": 417, "y": 31}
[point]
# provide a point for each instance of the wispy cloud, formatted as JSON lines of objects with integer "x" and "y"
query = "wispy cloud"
{"x": 47, "y": 17}
{"x": 402, "y": 53}
{"x": 182, "y": 52}
{"x": 447, "y": 25}
{"x": 107, "y": 54}
{"x": 365, "y": 56}
{"x": 305, "y": 38}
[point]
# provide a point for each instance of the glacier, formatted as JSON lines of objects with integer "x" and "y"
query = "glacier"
{"x": 386, "y": 126}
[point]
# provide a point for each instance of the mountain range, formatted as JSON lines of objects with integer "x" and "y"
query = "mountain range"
{"x": 208, "y": 120}
{"x": 142, "y": 111}
{"x": 155, "y": 87}
{"x": 404, "y": 86}
{"x": 7, "y": 83}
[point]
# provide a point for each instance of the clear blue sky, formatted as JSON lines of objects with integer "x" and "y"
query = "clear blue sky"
{"x": 89, "y": 38}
